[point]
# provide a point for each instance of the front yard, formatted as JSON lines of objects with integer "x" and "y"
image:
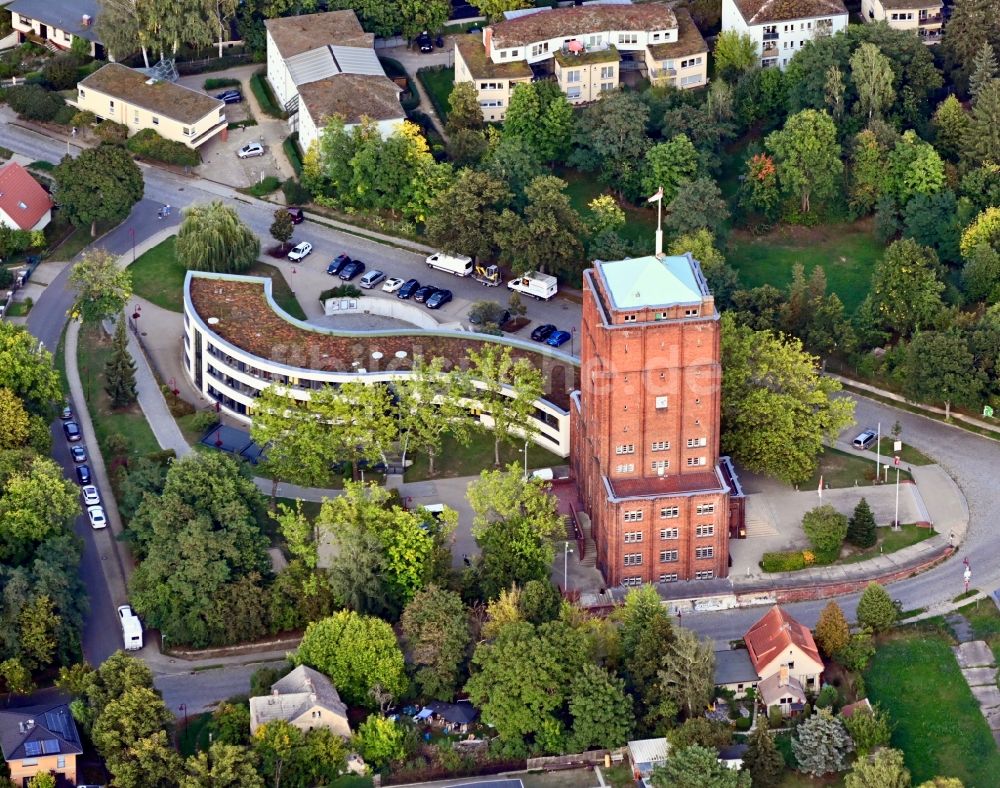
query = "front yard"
{"x": 458, "y": 460}
{"x": 840, "y": 469}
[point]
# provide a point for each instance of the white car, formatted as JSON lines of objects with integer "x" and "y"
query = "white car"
{"x": 392, "y": 284}
{"x": 250, "y": 150}
{"x": 300, "y": 252}
{"x": 97, "y": 518}
{"x": 91, "y": 497}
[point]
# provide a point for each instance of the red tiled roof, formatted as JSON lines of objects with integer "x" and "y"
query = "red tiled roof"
{"x": 773, "y": 635}
{"x": 678, "y": 483}
{"x": 21, "y": 197}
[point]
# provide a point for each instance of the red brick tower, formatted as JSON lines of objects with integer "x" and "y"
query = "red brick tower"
{"x": 645, "y": 436}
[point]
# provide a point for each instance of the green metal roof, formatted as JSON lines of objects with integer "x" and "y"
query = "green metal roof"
{"x": 646, "y": 281}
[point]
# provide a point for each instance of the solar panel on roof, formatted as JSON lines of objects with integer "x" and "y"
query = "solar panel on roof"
{"x": 50, "y": 746}
{"x": 32, "y": 748}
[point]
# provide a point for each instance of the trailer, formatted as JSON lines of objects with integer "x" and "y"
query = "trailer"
{"x": 488, "y": 276}
{"x": 540, "y": 286}
{"x": 459, "y": 265}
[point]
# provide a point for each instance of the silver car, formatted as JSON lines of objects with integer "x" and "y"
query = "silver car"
{"x": 372, "y": 278}
{"x": 250, "y": 150}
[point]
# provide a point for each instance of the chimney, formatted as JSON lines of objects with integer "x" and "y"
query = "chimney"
{"x": 312, "y": 697}
{"x": 86, "y": 20}
{"x": 274, "y": 691}
{"x": 488, "y": 41}
{"x": 783, "y": 676}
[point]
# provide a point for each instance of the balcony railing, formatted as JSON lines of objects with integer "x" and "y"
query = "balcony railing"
{"x": 770, "y": 36}
{"x": 662, "y": 73}
{"x": 937, "y": 19}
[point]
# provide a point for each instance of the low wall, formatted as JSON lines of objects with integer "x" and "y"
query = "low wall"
{"x": 575, "y": 759}
{"x": 385, "y": 307}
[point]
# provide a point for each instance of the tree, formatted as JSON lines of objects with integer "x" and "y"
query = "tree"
{"x": 17, "y": 677}
{"x": 872, "y": 76}
{"x": 914, "y": 168}
{"x": 418, "y": 15}
{"x": 759, "y": 192}
{"x": 982, "y": 137}
{"x": 26, "y": 370}
{"x": 149, "y": 762}
{"x": 735, "y": 54}
{"x": 950, "y": 124}
{"x": 834, "y": 92}
{"x": 832, "y": 631}
{"x": 357, "y": 653}
{"x": 861, "y": 527}
{"x": 777, "y": 428}
{"x": 983, "y": 231}
{"x": 981, "y": 274}
{"x": 121, "y": 28}
{"x": 686, "y": 679}
{"x": 276, "y": 744}
{"x": 506, "y": 389}
{"x": 222, "y": 766}
{"x": 139, "y": 712}
{"x": 15, "y": 423}
{"x": 601, "y": 711}
{"x": 870, "y": 730}
{"x": 939, "y": 367}
{"x": 605, "y": 215}
{"x": 825, "y": 528}
{"x": 645, "y": 629}
{"x": 100, "y": 185}
{"x": 933, "y": 221}
{"x": 885, "y": 770}
{"x": 971, "y": 25}
{"x": 821, "y": 745}
{"x": 905, "y": 292}
{"x": 984, "y": 68}
{"x": 212, "y": 237}
{"x": 722, "y": 278}
{"x": 669, "y": 164}
{"x": 762, "y": 760}
{"x": 231, "y": 722}
{"x": 540, "y": 115}
{"x": 37, "y": 503}
{"x": 702, "y": 731}
{"x": 435, "y": 628}
{"x": 119, "y": 370}
{"x": 42, "y": 780}
{"x": 807, "y": 155}
{"x": 698, "y": 205}
{"x": 697, "y": 767}
{"x": 464, "y": 218}
{"x": 611, "y": 138}
{"x": 858, "y": 651}
{"x": 464, "y": 112}
{"x": 102, "y": 287}
{"x": 282, "y": 227}
{"x": 876, "y": 609}
{"x": 380, "y": 741}
{"x": 869, "y": 179}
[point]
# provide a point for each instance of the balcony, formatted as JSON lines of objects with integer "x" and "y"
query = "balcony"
{"x": 937, "y": 19}
{"x": 770, "y": 36}
{"x": 770, "y": 49}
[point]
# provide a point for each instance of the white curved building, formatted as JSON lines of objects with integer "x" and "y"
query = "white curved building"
{"x": 238, "y": 341}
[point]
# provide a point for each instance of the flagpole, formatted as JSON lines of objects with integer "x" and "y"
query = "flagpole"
{"x": 658, "y": 199}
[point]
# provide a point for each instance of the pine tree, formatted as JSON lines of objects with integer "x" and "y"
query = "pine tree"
{"x": 876, "y": 608}
{"x": 832, "y": 631}
{"x": 119, "y": 370}
{"x": 762, "y": 760}
{"x": 861, "y": 526}
{"x": 984, "y": 68}
{"x": 982, "y": 136}
{"x": 821, "y": 744}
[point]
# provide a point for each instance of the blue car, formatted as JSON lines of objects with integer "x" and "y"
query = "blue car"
{"x": 557, "y": 338}
{"x": 408, "y": 289}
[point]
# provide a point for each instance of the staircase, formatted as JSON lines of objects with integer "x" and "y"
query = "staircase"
{"x": 52, "y": 47}
{"x": 759, "y": 521}
{"x": 590, "y": 548}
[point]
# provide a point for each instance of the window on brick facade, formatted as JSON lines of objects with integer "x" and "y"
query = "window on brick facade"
{"x": 704, "y": 530}
{"x": 627, "y": 467}
{"x": 669, "y": 578}
{"x": 693, "y": 442}
{"x": 625, "y": 448}
{"x": 659, "y": 465}
{"x": 633, "y": 559}
{"x": 660, "y": 446}
{"x": 707, "y": 574}
{"x": 632, "y": 581}
{"x": 670, "y": 511}
{"x": 630, "y": 318}
{"x": 705, "y": 508}
{"x": 704, "y": 552}
{"x": 668, "y": 533}
{"x": 668, "y": 556}
{"x": 662, "y": 403}
{"x": 633, "y": 516}
{"x": 690, "y": 312}
{"x": 694, "y": 461}
{"x": 632, "y": 537}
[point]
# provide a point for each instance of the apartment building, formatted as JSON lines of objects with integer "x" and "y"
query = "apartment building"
{"x": 584, "y": 49}
{"x": 922, "y": 16}
{"x": 780, "y": 28}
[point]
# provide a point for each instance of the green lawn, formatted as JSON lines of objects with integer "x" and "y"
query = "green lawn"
{"x": 847, "y": 252}
{"x": 889, "y": 541}
{"x": 194, "y": 737}
{"x": 840, "y": 469}
{"x": 908, "y": 456}
{"x": 939, "y": 726}
{"x": 158, "y": 277}
{"x": 18, "y": 309}
{"x": 985, "y": 620}
{"x": 457, "y": 460}
{"x": 438, "y": 83}
{"x": 582, "y": 187}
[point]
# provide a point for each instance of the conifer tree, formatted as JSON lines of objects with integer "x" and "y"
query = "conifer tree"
{"x": 876, "y": 609}
{"x": 984, "y": 68}
{"x": 861, "y": 526}
{"x": 832, "y": 631}
{"x": 119, "y": 370}
{"x": 762, "y": 760}
{"x": 821, "y": 744}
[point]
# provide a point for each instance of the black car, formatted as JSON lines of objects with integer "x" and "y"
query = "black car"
{"x": 297, "y": 215}
{"x": 424, "y": 293}
{"x": 230, "y": 96}
{"x": 351, "y": 270}
{"x": 543, "y": 332}
{"x": 410, "y": 286}
{"x": 425, "y": 42}
{"x": 78, "y": 453}
{"x": 67, "y": 413}
{"x": 83, "y": 474}
{"x": 338, "y": 264}
{"x": 72, "y": 431}
{"x": 501, "y": 317}
{"x": 438, "y": 299}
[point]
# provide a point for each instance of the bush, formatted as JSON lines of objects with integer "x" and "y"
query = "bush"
{"x": 83, "y": 119}
{"x": 60, "y": 73}
{"x": 341, "y": 291}
{"x": 826, "y": 529}
{"x": 876, "y": 609}
{"x": 204, "y": 421}
{"x": 774, "y": 717}
{"x": 291, "y": 148}
{"x": 262, "y": 92}
{"x": 295, "y": 193}
{"x": 33, "y": 102}
{"x": 828, "y": 696}
{"x": 783, "y": 562}
{"x": 214, "y": 83}
{"x": 743, "y": 723}
{"x": 65, "y": 115}
{"x": 148, "y": 144}
{"x": 109, "y": 131}
{"x": 266, "y": 186}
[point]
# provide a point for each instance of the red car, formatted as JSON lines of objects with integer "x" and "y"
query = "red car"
{"x": 297, "y": 215}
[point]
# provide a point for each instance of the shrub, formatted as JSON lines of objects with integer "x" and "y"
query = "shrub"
{"x": 827, "y": 697}
{"x": 783, "y": 562}
{"x": 214, "y": 83}
{"x": 262, "y": 92}
{"x": 743, "y": 723}
{"x": 774, "y": 717}
{"x": 109, "y": 131}
{"x": 826, "y": 529}
{"x": 266, "y": 186}
{"x": 83, "y": 119}
{"x": 295, "y": 193}
{"x": 33, "y": 102}
{"x": 148, "y": 144}
{"x": 64, "y": 116}
{"x": 60, "y": 73}
{"x": 341, "y": 291}
{"x": 291, "y": 148}
{"x": 204, "y": 421}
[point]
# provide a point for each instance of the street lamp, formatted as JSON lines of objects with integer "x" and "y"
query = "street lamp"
{"x": 895, "y": 522}
{"x": 566, "y": 552}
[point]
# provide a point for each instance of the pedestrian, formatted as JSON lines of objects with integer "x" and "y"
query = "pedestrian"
{"x": 159, "y": 214}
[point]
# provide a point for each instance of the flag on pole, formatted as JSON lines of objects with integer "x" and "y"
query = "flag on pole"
{"x": 820, "y": 486}
{"x": 656, "y": 197}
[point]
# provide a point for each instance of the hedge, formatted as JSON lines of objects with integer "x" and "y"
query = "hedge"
{"x": 266, "y": 186}
{"x": 341, "y": 291}
{"x": 264, "y": 96}
{"x": 783, "y": 562}
{"x": 150, "y": 145}
{"x": 34, "y": 102}
{"x": 291, "y": 148}
{"x": 221, "y": 82}
{"x": 295, "y": 193}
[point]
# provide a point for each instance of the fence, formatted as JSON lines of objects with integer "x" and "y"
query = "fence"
{"x": 577, "y": 759}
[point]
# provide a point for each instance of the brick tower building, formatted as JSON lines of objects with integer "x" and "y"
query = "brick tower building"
{"x": 645, "y": 436}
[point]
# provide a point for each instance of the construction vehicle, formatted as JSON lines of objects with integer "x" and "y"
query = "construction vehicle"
{"x": 536, "y": 285}
{"x": 487, "y": 275}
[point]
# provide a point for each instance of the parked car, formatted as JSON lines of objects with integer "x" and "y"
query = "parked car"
{"x": 438, "y": 299}
{"x": 66, "y": 414}
{"x": 338, "y": 264}
{"x": 231, "y": 96}
{"x": 300, "y": 252}
{"x": 392, "y": 284}
{"x": 439, "y": 42}
{"x": 91, "y": 496}
{"x": 425, "y": 42}
{"x": 351, "y": 270}
{"x": 297, "y": 214}
{"x": 543, "y": 332}
{"x": 557, "y": 338}
{"x": 502, "y": 316}
{"x": 250, "y": 150}
{"x": 72, "y": 431}
{"x": 372, "y": 278}
{"x": 865, "y": 439}
{"x": 78, "y": 453}
{"x": 424, "y": 293}
{"x": 96, "y": 516}
{"x": 410, "y": 286}
{"x": 83, "y": 474}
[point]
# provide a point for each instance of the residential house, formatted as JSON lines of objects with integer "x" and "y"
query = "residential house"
{"x": 786, "y": 659}
{"x": 304, "y": 698}
{"x": 860, "y": 707}
{"x": 922, "y": 16}
{"x": 584, "y": 49}
{"x": 38, "y": 740}
{"x": 731, "y": 755}
{"x": 780, "y": 28}
{"x": 453, "y": 717}
{"x": 24, "y": 204}
{"x": 320, "y": 65}
{"x": 734, "y": 671}
{"x": 124, "y": 95}
{"x": 55, "y": 23}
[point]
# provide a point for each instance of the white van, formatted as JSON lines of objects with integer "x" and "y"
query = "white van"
{"x": 458, "y": 264}
{"x": 131, "y": 628}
